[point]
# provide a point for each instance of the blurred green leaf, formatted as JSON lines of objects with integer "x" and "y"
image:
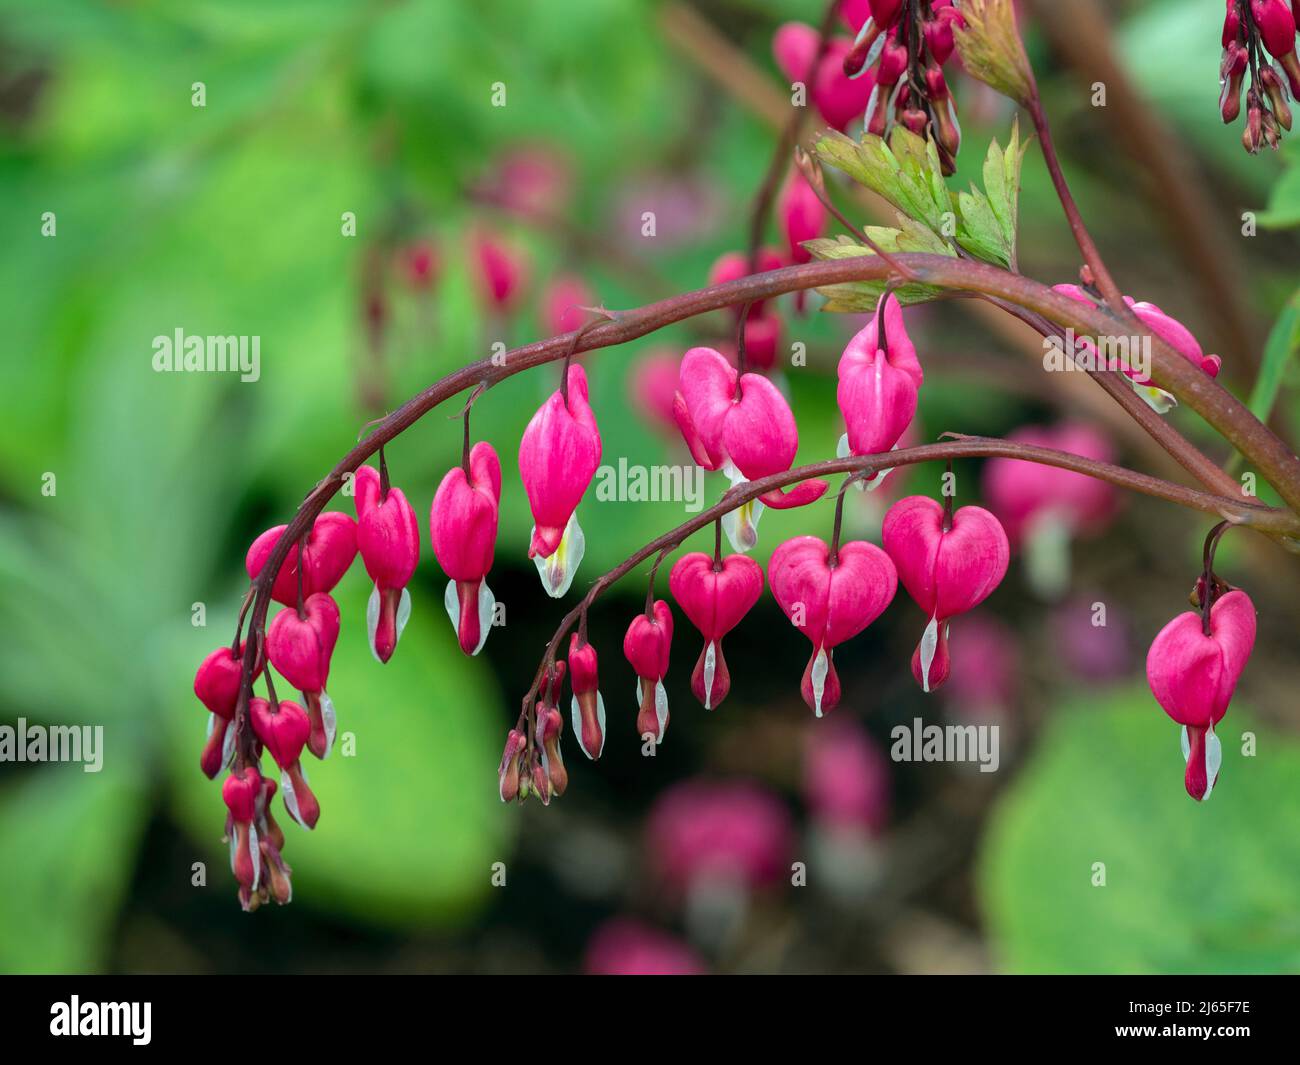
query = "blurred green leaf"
{"x": 67, "y": 847}
{"x": 1283, "y": 342}
{"x": 1190, "y": 887}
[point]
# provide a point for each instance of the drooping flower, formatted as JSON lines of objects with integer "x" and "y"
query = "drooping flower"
{"x": 463, "y": 529}
{"x": 1168, "y": 329}
{"x": 742, "y": 425}
{"x": 330, "y": 548}
{"x": 880, "y": 379}
{"x": 558, "y": 456}
{"x": 1043, "y": 508}
{"x": 830, "y": 600}
{"x": 284, "y": 728}
{"x": 715, "y": 596}
{"x": 646, "y": 646}
{"x": 388, "y": 540}
{"x": 1193, "y": 668}
{"x": 300, "y": 645}
{"x": 216, "y": 683}
{"x": 949, "y": 564}
{"x": 587, "y": 706}
{"x": 240, "y": 793}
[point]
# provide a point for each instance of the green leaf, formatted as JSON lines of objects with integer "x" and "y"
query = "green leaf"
{"x": 1283, "y": 342}
{"x": 863, "y": 296}
{"x": 905, "y": 172}
{"x": 1189, "y": 887}
{"x": 67, "y": 845}
{"x": 411, "y": 824}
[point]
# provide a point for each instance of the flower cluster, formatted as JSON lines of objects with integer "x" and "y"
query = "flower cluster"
{"x": 892, "y": 71}
{"x": 1254, "y": 30}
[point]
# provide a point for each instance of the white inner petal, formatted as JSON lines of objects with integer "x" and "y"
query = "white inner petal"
{"x": 929, "y": 645}
{"x": 403, "y": 614}
{"x": 228, "y": 746}
{"x": 557, "y": 571}
{"x": 710, "y": 667}
{"x": 1213, "y": 760}
{"x": 290, "y": 799}
{"x": 1186, "y": 745}
{"x": 372, "y": 620}
{"x": 255, "y": 849}
{"x": 330, "y": 718}
{"x": 1157, "y": 399}
{"x": 821, "y": 668}
{"x": 661, "y": 708}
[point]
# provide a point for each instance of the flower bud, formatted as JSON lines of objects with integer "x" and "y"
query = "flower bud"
{"x": 587, "y": 706}
{"x": 511, "y": 764}
{"x": 240, "y": 793}
{"x": 646, "y": 646}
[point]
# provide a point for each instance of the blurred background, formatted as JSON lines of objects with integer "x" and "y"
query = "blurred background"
{"x": 758, "y": 839}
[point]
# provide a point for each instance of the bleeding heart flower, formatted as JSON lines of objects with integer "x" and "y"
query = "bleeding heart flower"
{"x": 949, "y": 564}
{"x": 715, "y": 597}
{"x": 742, "y": 425}
{"x": 216, "y": 683}
{"x": 284, "y": 729}
{"x": 463, "y": 528}
{"x": 646, "y": 646}
{"x": 240, "y": 793}
{"x": 880, "y": 380}
{"x": 388, "y": 539}
{"x": 558, "y": 456}
{"x": 299, "y": 645}
{"x": 1193, "y": 674}
{"x": 331, "y": 547}
{"x": 588, "y": 706}
{"x": 550, "y": 723}
{"x": 829, "y": 601}
{"x": 562, "y": 304}
{"x": 1168, "y": 329}
{"x": 624, "y": 947}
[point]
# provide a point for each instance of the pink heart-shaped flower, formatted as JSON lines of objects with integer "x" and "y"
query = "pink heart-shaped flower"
{"x": 300, "y": 647}
{"x": 715, "y": 599}
{"x": 331, "y": 547}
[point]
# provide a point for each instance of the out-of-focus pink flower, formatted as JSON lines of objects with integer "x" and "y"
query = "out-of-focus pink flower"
{"x": 652, "y": 386}
{"x": 418, "y": 264}
{"x": 1094, "y": 653}
{"x": 530, "y": 180}
{"x": 838, "y": 98}
{"x": 985, "y": 666}
{"x": 846, "y": 778}
{"x": 500, "y": 271}
{"x": 562, "y": 304}
{"x": 802, "y": 215}
{"x": 1023, "y": 494}
{"x": 732, "y": 831}
{"x": 624, "y": 947}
